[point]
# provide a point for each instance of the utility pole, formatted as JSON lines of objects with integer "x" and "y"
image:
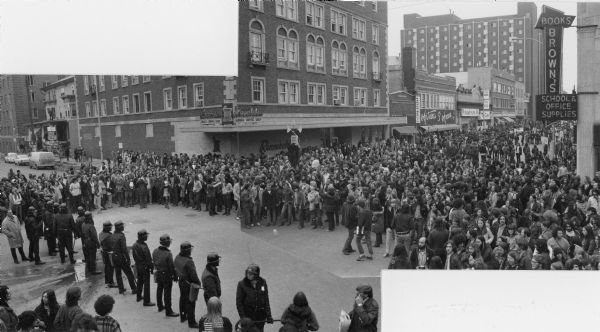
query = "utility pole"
{"x": 98, "y": 116}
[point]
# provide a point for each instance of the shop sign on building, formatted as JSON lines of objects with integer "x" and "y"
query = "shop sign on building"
{"x": 51, "y": 133}
{"x": 248, "y": 116}
{"x": 294, "y": 139}
{"x": 556, "y": 107}
{"x": 485, "y": 115}
{"x": 437, "y": 117}
{"x": 469, "y": 112}
{"x": 486, "y": 99}
{"x": 418, "y": 109}
{"x": 211, "y": 117}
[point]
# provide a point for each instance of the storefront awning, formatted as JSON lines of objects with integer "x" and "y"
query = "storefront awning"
{"x": 500, "y": 119}
{"x": 441, "y": 127}
{"x": 510, "y": 120}
{"x": 406, "y": 130}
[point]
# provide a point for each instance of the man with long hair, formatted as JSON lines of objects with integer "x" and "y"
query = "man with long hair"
{"x": 68, "y": 311}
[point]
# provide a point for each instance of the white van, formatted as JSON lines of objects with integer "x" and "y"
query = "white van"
{"x": 42, "y": 159}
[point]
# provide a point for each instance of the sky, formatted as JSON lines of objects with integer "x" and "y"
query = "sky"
{"x": 186, "y": 37}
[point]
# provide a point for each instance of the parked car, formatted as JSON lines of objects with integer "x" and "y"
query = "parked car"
{"x": 42, "y": 159}
{"x": 10, "y": 157}
{"x": 22, "y": 159}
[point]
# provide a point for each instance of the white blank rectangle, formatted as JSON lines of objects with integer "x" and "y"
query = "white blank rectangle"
{"x": 414, "y": 300}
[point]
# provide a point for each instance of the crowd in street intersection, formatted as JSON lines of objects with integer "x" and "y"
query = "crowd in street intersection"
{"x": 504, "y": 197}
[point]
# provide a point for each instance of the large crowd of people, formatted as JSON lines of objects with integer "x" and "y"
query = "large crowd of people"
{"x": 506, "y": 197}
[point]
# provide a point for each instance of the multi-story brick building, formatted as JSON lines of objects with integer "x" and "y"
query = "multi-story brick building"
{"x": 57, "y": 127}
{"x": 315, "y": 65}
{"x": 163, "y": 114}
{"x": 434, "y": 95}
{"x": 21, "y": 103}
{"x": 501, "y": 87}
{"x": 447, "y": 43}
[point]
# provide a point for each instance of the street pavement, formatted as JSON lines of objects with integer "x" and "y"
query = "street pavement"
{"x": 291, "y": 260}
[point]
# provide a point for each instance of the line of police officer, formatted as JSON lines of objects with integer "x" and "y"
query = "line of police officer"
{"x": 251, "y": 297}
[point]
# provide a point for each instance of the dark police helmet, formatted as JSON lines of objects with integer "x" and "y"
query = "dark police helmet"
{"x": 165, "y": 240}
{"x": 254, "y": 269}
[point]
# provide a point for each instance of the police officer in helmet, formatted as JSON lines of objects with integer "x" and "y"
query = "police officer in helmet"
{"x": 164, "y": 275}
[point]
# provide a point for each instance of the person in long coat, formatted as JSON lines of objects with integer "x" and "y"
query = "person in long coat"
{"x": 11, "y": 227}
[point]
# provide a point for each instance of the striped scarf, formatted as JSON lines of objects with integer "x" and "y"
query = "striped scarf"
{"x": 215, "y": 326}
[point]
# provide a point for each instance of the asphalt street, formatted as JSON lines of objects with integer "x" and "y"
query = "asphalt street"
{"x": 291, "y": 260}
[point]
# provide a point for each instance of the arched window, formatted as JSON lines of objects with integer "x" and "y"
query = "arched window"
{"x": 343, "y": 59}
{"x": 320, "y": 54}
{"x": 257, "y": 42}
{"x": 281, "y": 45}
{"x": 359, "y": 65}
{"x": 335, "y": 53}
{"x": 293, "y": 48}
{"x": 315, "y": 50}
{"x": 376, "y": 70}
{"x": 287, "y": 48}
{"x": 355, "y": 61}
{"x": 310, "y": 51}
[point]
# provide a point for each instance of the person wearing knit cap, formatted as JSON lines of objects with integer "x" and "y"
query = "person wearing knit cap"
{"x": 210, "y": 277}
{"x": 365, "y": 313}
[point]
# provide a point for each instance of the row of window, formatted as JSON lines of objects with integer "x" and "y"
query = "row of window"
{"x": 288, "y": 50}
{"x": 315, "y": 17}
{"x": 288, "y": 92}
{"x": 467, "y": 26}
{"x": 503, "y": 88}
{"x": 149, "y": 130}
{"x": 138, "y": 104}
{"x": 437, "y": 101}
{"x": 114, "y": 79}
{"x": 503, "y": 103}
{"x": 483, "y": 35}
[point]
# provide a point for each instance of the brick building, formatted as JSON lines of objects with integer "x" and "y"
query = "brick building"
{"x": 163, "y": 114}
{"x": 319, "y": 66}
{"x": 21, "y": 103}
{"x": 502, "y": 91}
{"x": 56, "y": 128}
{"x": 434, "y": 95}
{"x": 447, "y": 43}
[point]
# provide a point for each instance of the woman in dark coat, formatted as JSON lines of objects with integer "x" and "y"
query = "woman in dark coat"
{"x": 299, "y": 317}
{"x": 47, "y": 310}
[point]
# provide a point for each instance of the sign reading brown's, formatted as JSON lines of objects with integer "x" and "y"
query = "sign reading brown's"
{"x": 556, "y": 107}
